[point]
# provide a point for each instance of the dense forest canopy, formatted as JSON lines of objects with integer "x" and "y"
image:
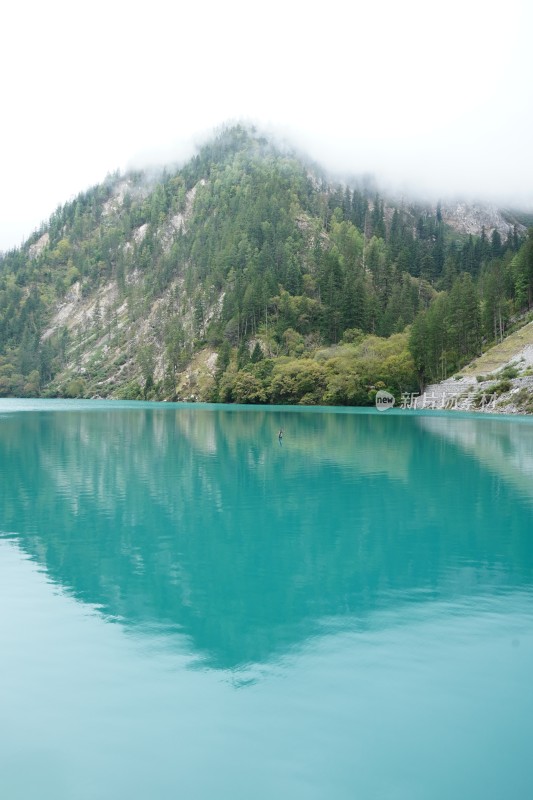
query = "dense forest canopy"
{"x": 309, "y": 292}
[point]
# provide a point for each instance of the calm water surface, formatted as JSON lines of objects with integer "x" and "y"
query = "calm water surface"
{"x": 190, "y": 609}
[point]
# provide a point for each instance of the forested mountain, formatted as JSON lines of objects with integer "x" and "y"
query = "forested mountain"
{"x": 247, "y": 276}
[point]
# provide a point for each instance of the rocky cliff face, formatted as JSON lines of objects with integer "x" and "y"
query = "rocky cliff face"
{"x": 115, "y": 332}
{"x": 472, "y": 218}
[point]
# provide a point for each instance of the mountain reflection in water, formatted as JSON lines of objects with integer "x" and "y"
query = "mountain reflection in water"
{"x": 194, "y": 521}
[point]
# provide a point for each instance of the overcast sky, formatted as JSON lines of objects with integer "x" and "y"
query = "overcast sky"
{"x": 428, "y": 96}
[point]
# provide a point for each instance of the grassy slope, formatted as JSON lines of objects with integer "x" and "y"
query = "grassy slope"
{"x": 501, "y": 354}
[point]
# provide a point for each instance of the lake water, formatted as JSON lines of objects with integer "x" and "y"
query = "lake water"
{"x": 189, "y": 608}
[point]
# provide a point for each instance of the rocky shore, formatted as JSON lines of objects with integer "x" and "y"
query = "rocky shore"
{"x": 506, "y": 390}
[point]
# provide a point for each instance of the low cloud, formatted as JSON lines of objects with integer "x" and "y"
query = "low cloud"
{"x": 431, "y": 101}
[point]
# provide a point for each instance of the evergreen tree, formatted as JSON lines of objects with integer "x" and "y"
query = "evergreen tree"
{"x": 257, "y": 354}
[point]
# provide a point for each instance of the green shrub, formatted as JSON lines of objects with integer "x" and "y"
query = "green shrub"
{"x": 500, "y": 388}
{"x": 524, "y": 400}
{"x": 509, "y": 372}
{"x": 75, "y": 388}
{"x": 131, "y": 391}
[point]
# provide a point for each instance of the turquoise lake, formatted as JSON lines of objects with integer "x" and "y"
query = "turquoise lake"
{"x": 190, "y": 609}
